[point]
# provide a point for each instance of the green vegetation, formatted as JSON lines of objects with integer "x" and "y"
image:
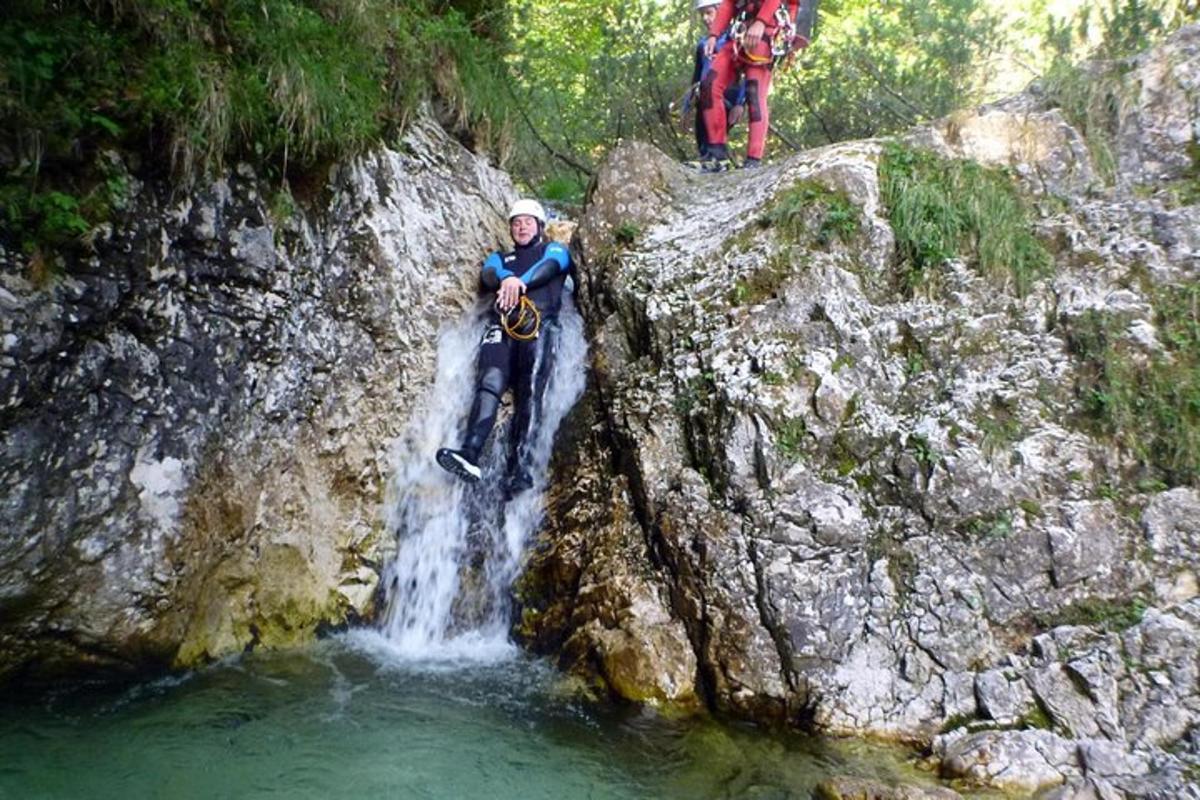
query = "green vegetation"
{"x": 998, "y": 525}
{"x": 1111, "y": 615}
{"x": 763, "y": 282}
{"x": 284, "y": 84}
{"x": 1036, "y": 718}
{"x": 626, "y": 234}
{"x": 1000, "y": 428}
{"x": 922, "y": 451}
{"x": 790, "y": 438}
{"x": 810, "y": 211}
{"x": 1148, "y": 405}
{"x": 1032, "y": 508}
{"x": 188, "y": 86}
{"x": 1090, "y": 96}
{"x": 943, "y": 208}
{"x": 1090, "y": 100}
{"x": 902, "y": 565}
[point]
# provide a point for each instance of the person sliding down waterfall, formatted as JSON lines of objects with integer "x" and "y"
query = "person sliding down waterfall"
{"x": 518, "y": 347}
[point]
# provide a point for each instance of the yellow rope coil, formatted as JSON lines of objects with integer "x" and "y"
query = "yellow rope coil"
{"x": 526, "y": 311}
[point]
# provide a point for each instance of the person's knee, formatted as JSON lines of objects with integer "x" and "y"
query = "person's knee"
{"x": 706, "y": 91}
{"x": 754, "y": 100}
{"x": 492, "y": 381}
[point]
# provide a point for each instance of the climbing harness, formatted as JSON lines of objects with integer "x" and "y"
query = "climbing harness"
{"x": 737, "y": 33}
{"x": 523, "y": 321}
{"x": 785, "y": 40}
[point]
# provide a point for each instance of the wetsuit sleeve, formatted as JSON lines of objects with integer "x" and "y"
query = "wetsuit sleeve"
{"x": 698, "y": 63}
{"x": 493, "y": 272}
{"x": 723, "y": 18}
{"x": 766, "y": 12}
{"x": 555, "y": 261}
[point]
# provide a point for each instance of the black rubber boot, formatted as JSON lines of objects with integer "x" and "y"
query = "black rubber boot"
{"x": 519, "y": 481}
{"x": 460, "y": 463}
{"x": 464, "y": 462}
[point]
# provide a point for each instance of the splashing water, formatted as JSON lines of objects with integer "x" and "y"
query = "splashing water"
{"x": 459, "y": 545}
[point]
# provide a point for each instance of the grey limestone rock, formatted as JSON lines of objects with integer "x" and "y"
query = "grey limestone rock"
{"x": 877, "y": 511}
{"x": 195, "y": 419}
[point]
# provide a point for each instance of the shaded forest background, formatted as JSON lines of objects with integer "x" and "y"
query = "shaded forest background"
{"x": 95, "y": 94}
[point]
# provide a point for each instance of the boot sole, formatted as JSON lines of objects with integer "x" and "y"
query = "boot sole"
{"x": 453, "y": 463}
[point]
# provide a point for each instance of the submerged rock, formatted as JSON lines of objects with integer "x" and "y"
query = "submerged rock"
{"x": 196, "y": 419}
{"x": 842, "y": 788}
{"x": 874, "y": 508}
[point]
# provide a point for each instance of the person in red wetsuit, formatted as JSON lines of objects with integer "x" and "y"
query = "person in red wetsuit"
{"x": 755, "y": 25}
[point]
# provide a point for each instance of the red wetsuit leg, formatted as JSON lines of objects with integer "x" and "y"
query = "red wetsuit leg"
{"x": 758, "y": 87}
{"x": 712, "y": 94}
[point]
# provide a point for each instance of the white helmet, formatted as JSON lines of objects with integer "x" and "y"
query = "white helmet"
{"x": 706, "y": 3}
{"x": 530, "y": 208}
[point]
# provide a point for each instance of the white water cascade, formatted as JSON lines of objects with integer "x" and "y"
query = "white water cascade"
{"x": 459, "y": 545}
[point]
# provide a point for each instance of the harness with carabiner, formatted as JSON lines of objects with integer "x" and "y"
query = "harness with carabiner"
{"x": 783, "y": 39}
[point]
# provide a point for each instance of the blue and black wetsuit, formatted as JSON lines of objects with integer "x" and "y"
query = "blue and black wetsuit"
{"x": 524, "y": 365}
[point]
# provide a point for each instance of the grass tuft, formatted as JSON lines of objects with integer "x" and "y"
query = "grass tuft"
{"x": 1090, "y": 100}
{"x": 943, "y": 208}
{"x": 287, "y": 85}
{"x": 1148, "y": 405}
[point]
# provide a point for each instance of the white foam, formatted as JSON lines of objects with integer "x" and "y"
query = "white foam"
{"x": 440, "y": 522}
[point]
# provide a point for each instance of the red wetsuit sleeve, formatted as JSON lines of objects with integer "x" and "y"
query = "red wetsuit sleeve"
{"x": 766, "y": 12}
{"x": 723, "y": 18}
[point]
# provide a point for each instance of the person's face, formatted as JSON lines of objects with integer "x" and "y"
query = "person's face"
{"x": 707, "y": 15}
{"x": 524, "y": 228}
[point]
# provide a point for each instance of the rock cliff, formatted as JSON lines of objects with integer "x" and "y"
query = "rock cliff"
{"x": 195, "y": 420}
{"x": 814, "y": 481}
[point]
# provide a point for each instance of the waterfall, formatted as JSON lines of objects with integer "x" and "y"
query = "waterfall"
{"x": 459, "y": 545}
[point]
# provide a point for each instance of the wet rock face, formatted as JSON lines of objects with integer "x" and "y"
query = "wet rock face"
{"x": 195, "y": 422}
{"x": 874, "y": 510}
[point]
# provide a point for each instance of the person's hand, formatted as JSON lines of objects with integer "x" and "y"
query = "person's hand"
{"x": 754, "y": 35}
{"x": 511, "y": 289}
{"x": 710, "y": 46}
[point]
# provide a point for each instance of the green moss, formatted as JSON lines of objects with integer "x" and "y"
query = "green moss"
{"x": 1150, "y": 407}
{"x": 902, "y": 565}
{"x": 957, "y": 721}
{"x": 811, "y": 212}
{"x": 997, "y": 525}
{"x": 764, "y": 282}
{"x": 1111, "y": 615}
{"x": 1000, "y": 428}
{"x": 1032, "y": 508}
{"x": 790, "y": 438}
{"x": 626, "y": 233}
{"x": 1036, "y": 718}
{"x": 943, "y": 208}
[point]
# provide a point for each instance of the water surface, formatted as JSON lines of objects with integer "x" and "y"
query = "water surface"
{"x": 349, "y": 718}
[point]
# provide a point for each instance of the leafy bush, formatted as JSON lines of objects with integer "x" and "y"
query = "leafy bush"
{"x": 285, "y": 84}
